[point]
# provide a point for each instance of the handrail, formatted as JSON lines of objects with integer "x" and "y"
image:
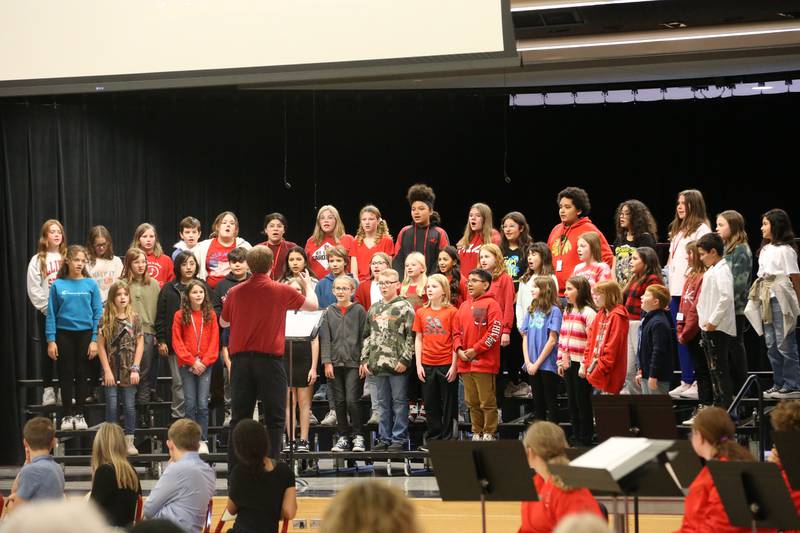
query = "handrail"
{"x": 762, "y": 434}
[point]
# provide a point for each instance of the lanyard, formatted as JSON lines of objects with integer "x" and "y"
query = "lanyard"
{"x": 197, "y": 336}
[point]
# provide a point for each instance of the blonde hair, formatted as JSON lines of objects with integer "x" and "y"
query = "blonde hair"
{"x": 423, "y": 278}
{"x": 613, "y": 294}
{"x": 383, "y": 227}
{"x": 660, "y": 293}
{"x": 548, "y": 295}
{"x": 499, "y": 260}
{"x": 548, "y": 442}
{"x": 696, "y": 266}
{"x": 370, "y": 507}
{"x": 109, "y": 449}
{"x": 42, "y": 247}
{"x": 218, "y": 221}
{"x": 593, "y": 240}
{"x": 110, "y": 310}
{"x": 127, "y": 263}
{"x": 441, "y": 281}
{"x": 344, "y": 277}
{"x": 140, "y": 229}
{"x": 390, "y": 272}
{"x": 338, "y": 229}
{"x": 486, "y": 230}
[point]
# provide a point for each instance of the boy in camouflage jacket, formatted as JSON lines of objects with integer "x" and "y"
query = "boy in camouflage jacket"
{"x": 387, "y": 352}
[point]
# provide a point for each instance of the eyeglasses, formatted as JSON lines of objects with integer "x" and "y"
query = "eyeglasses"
{"x": 342, "y": 288}
{"x": 387, "y": 283}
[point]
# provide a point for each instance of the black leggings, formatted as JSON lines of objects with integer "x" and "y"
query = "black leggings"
{"x": 47, "y": 363}
{"x": 705, "y": 391}
{"x": 579, "y": 394}
{"x": 545, "y": 395}
{"x": 73, "y": 366}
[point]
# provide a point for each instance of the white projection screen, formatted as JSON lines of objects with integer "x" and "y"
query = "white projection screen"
{"x": 53, "y": 46}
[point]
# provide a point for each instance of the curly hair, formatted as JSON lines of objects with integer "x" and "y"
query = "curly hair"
{"x": 419, "y": 192}
{"x": 579, "y": 197}
{"x": 786, "y": 416}
{"x": 640, "y": 218}
{"x": 205, "y": 307}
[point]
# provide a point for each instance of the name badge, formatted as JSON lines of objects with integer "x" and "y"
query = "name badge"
{"x": 679, "y": 317}
{"x": 559, "y": 265}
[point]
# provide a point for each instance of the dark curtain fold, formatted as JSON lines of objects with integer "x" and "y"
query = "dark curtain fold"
{"x": 121, "y": 159}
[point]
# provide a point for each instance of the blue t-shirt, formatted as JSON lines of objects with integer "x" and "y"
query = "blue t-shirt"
{"x": 538, "y": 327}
{"x": 41, "y": 479}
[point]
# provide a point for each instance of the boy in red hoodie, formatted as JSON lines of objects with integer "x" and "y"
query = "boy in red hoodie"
{"x": 606, "y": 357}
{"x": 476, "y": 340}
{"x": 573, "y": 208}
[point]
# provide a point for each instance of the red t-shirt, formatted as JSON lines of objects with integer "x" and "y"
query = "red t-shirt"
{"x": 364, "y": 255}
{"x": 317, "y": 258}
{"x": 436, "y": 326}
{"x": 554, "y": 504}
{"x": 160, "y": 268}
{"x": 256, "y": 309}
{"x": 469, "y": 256}
{"x": 217, "y": 264}
{"x": 415, "y": 299}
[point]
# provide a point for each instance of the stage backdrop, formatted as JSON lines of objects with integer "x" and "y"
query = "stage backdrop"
{"x": 121, "y": 159}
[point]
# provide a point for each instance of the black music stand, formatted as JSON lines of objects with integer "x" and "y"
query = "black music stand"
{"x": 754, "y": 495}
{"x": 482, "y": 471}
{"x": 788, "y": 445}
{"x": 300, "y": 326}
{"x": 635, "y": 415}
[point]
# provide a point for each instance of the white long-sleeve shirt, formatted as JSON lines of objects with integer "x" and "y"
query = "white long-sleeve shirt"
{"x": 715, "y": 305}
{"x": 39, "y": 285}
{"x": 678, "y": 262}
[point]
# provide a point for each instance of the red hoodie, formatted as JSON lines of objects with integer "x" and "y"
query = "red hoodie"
{"x": 563, "y": 243}
{"x": 554, "y": 504}
{"x": 185, "y": 342}
{"x": 612, "y": 356}
{"x": 477, "y": 325}
{"x": 469, "y": 255}
{"x": 689, "y": 325}
{"x": 502, "y": 290}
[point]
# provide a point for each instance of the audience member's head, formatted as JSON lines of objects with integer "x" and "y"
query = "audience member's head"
{"x": 714, "y": 436}
{"x": 109, "y": 448}
{"x": 370, "y": 507}
{"x": 39, "y": 434}
{"x": 582, "y": 523}
{"x": 184, "y": 435}
{"x": 785, "y": 417}
{"x": 56, "y": 516}
{"x": 251, "y": 444}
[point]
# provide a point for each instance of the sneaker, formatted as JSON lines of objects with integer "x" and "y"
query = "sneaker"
{"x": 92, "y": 398}
{"x": 49, "y": 396}
{"x": 510, "y": 389}
{"x": 322, "y": 392}
{"x": 203, "y": 448}
{"x": 523, "y": 390}
{"x": 680, "y": 389}
{"x": 312, "y": 419}
{"x": 488, "y": 436}
{"x": 691, "y": 392}
{"x": 358, "y": 444}
{"x": 227, "y": 421}
{"x": 413, "y": 412}
{"x": 80, "y": 423}
{"x": 689, "y": 421}
{"x": 477, "y": 436}
{"x": 129, "y": 445}
{"x": 256, "y": 415}
{"x": 342, "y": 445}
{"x": 302, "y": 446}
{"x": 421, "y": 416}
{"x": 330, "y": 419}
{"x": 461, "y": 418}
{"x": 396, "y": 447}
{"x": 770, "y": 392}
{"x": 67, "y": 423}
{"x": 787, "y": 394}
{"x": 374, "y": 418}
{"x": 380, "y": 446}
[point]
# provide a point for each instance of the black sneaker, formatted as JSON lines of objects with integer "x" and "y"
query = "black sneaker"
{"x": 342, "y": 445}
{"x": 396, "y": 447}
{"x": 302, "y": 446}
{"x": 380, "y": 446}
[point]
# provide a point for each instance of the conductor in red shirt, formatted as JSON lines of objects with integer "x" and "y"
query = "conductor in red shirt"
{"x": 255, "y": 310}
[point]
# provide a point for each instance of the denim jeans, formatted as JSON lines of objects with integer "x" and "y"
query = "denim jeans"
{"x": 392, "y": 401}
{"x": 129, "y": 406}
{"x": 195, "y": 393}
{"x": 369, "y": 383}
{"x": 783, "y": 359}
{"x": 178, "y": 402}
{"x": 661, "y": 388}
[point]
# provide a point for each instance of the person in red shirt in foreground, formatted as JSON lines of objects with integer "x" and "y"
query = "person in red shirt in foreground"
{"x": 713, "y": 439}
{"x": 786, "y": 417}
{"x": 545, "y": 443}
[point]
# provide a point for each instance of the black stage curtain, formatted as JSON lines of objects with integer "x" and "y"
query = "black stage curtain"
{"x": 121, "y": 159}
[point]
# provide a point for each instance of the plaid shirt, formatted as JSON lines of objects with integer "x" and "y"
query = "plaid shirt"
{"x": 632, "y": 297}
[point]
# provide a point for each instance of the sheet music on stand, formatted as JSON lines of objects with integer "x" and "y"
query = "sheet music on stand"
{"x": 302, "y": 325}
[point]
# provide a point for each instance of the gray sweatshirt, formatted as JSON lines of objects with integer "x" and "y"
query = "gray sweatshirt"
{"x": 341, "y": 335}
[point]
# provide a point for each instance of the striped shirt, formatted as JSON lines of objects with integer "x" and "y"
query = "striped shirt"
{"x": 597, "y": 271}
{"x": 572, "y": 339}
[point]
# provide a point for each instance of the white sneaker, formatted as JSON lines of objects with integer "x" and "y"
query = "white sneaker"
{"x": 80, "y": 423}
{"x": 680, "y": 389}
{"x": 477, "y": 436}
{"x": 203, "y": 448}
{"x": 697, "y": 409}
{"x": 227, "y": 421}
{"x": 129, "y": 444}
{"x": 312, "y": 419}
{"x": 358, "y": 444}
{"x": 67, "y": 424}
{"x": 770, "y": 392}
{"x": 787, "y": 394}
{"x": 691, "y": 392}
{"x": 374, "y": 418}
{"x": 49, "y": 396}
{"x": 488, "y": 436}
{"x": 421, "y": 417}
{"x": 413, "y": 411}
{"x": 330, "y": 419}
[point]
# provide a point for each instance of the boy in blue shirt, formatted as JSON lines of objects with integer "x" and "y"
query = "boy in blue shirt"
{"x": 41, "y": 478}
